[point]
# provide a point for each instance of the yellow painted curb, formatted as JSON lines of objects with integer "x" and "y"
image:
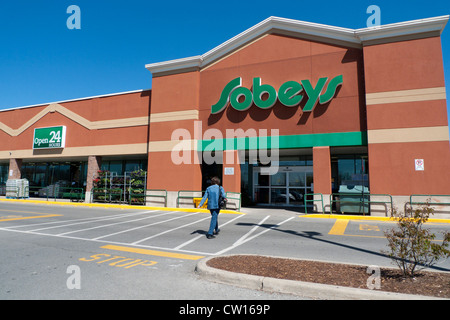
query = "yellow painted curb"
{"x": 116, "y": 206}
{"x": 373, "y": 218}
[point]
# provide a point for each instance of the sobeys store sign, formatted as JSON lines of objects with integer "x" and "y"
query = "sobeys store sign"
{"x": 49, "y": 138}
{"x": 290, "y": 94}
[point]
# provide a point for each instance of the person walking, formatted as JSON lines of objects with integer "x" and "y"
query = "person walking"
{"x": 212, "y": 194}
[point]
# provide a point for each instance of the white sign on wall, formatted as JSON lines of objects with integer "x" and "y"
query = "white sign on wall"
{"x": 419, "y": 164}
{"x": 229, "y": 171}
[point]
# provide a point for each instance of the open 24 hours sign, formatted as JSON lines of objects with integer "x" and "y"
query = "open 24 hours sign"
{"x": 49, "y": 138}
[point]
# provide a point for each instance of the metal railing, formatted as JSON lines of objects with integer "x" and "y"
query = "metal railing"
{"x": 54, "y": 193}
{"x": 182, "y": 194}
{"x": 362, "y": 199}
{"x": 429, "y": 198}
{"x": 305, "y": 201}
{"x": 137, "y": 196}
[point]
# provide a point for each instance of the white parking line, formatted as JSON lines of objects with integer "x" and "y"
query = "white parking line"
{"x": 147, "y": 225}
{"x": 200, "y": 236}
{"x": 244, "y": 240}
{"x": 113, "y": 224}
{"x": 167, "y": 231}
{"x": 248, "y": 234}
{"x": 102, "y": 241}
{"x": 72, "y": 220}
{"x": 241, "y": 239}
{"x": 89, "y": 220}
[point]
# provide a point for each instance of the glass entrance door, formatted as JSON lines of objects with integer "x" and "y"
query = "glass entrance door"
{"x": 287, "y": 187}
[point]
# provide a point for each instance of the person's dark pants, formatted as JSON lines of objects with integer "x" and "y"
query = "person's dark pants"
{"x": 214, "y": 225}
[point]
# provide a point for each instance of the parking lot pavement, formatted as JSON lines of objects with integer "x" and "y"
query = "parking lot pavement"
{"x": 182, "y": 232}
{"x": 128, "y": 253}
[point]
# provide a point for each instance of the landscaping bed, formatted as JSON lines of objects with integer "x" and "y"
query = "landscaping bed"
{"x": 436, "y": 284}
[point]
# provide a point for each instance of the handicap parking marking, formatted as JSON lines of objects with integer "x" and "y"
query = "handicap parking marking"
{"x": 368, "y": 227}
{"x": 340, "y": 228}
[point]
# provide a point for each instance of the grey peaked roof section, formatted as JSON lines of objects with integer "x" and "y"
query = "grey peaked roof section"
{"x": 356, "y": 38}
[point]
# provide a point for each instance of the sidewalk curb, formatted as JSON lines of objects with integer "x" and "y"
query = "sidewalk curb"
{"x": 115, "y": 206}
{"x": 299, "y": 288}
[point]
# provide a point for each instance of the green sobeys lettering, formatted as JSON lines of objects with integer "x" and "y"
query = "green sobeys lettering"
{"x": 331, "y": 90}
{"x": 259, "y": 90}
{"x": 265, "y": 96}
{"x": 225, "y": 95}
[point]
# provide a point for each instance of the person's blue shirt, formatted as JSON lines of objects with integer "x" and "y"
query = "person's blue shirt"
{"x": 212, "y": 194}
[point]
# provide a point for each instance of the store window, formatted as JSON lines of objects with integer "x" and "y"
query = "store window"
{"x": 4, "y": 173}
{"x": 3, "y": 178}
{"x": 65, "y": 174}
{"x": 119, "y": 167}
{"x": 209, "y": 171}
{"x": 349, "y": 170}
{"x": 287, "y": 187}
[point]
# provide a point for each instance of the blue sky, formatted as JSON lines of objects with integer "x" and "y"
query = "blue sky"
{"x": 42, "y": 61}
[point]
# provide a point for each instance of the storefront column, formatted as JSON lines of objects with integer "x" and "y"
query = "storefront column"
{"x": 94, "y": 165}
{"x": 14, "y": 168}
{"x": 322, "y": 176}
{"x": 231, "y": 174}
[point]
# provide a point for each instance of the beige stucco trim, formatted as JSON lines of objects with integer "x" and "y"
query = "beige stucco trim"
{"x": 91, "y": 125}
{"x": 119, "y": 123}
{"x": 172, "y": 145}
{"x": 424, "y": 134}
{"x": 106, "y": 150}
{"x": 174, "y": 116}
{"x": 427, "y": 94}
{"x": 103, "y": 124}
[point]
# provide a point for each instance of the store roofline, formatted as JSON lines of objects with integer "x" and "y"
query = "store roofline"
{"x": 76, "y": 99}
{"x": 329, "y": 34}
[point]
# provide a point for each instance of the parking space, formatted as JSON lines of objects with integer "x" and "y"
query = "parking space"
{"x": 152, "y": 253}
{"x": 173, "y": 231}
{"x": 178, "y": 231}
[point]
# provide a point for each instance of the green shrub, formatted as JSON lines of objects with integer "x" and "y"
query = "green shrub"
{"x": 411, "y": 246}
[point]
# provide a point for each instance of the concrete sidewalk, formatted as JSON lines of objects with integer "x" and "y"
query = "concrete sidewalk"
{"x": 63, "y": 202}
{"x": 245, "y": 210}
{"x": 301, "y": 214}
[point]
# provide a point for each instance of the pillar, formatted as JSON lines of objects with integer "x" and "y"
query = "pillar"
{"x": 14, "y": 168}
{"x": 231, "y": 175}
{"x": 322, "y": 176}
{"x": 94, "y": 165}
{"x": 407, "y": 118}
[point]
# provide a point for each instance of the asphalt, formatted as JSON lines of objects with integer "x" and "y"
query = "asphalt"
{"x": 267, "y": 284}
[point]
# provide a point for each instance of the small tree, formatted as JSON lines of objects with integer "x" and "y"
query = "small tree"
{"x": 411, "y": 247}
